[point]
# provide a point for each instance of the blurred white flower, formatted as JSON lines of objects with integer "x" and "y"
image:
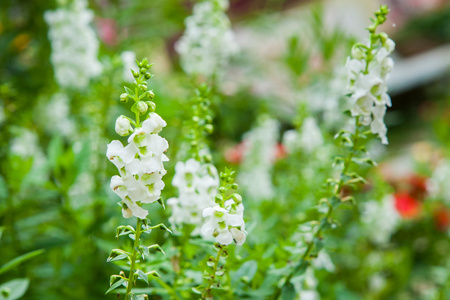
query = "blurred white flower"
{"x": 54, "y": 115}
{"x": 381, "y": 219}
{"x": 208, "y": 42}
{"x": 74, "y": 45}
{"x": 129, "y": 62}
{"x": 438, "y": 185}
{"x": 260, "y": 144}
{"x": 197, "y": 185}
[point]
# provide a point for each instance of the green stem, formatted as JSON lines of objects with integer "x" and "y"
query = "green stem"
{"x": 207, "y": 293}
{"x": 324, "y": 220}
{"x": 133, "y": 259}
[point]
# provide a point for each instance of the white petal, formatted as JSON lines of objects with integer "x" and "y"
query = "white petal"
{"x": 149, "y": 126}
{"x": 208, "y": 212}
{"x": 238, "y": 236}
{"x": 224, "y": 237}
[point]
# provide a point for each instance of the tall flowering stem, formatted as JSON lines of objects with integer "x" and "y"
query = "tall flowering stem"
{"x": 140, "y": 164}
{"x": 226, "y": 224}
{"x": 368, "y": 70}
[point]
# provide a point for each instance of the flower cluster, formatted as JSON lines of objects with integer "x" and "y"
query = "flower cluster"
{"x": 74, "y": 45}
{"x": 260, "y": 146}
{"x": 368, "y": 69}
{"x": 225, "y": 219}
{"x": 309, "y": 138}
{"x": 208, "y": 42}
{"x": 197, "y": 185}
{"x": 140, "y": 162}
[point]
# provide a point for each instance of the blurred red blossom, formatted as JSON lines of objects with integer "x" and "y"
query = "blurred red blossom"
{"x": 107, "y": 30}
{"x": 236, "y": 153}
{"x": 407, "y": 206}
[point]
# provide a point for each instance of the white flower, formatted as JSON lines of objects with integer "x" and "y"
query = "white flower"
{"x": 311, "y": 136}
{"x": 438, "y": 185}
{"x": 208, "y": 42}
{"x": 140, "y": 164}
{"x": 74, "y": 45}
{"x": 380, "y": 219}
{"x": 367, "y": 85}
{"x": 224, "y": 225}
{"x": 123, "y": 126}
{"x": 197, "y": 186}
{"x": 54, "y": 115}
{"x": 260, "y": 146}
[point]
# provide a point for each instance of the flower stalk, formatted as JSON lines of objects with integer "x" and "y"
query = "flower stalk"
{"x": 368, "y": 69}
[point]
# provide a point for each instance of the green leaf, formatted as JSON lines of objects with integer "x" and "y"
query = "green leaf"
{"x": 288, "y": 292}
{"x": 18, "y": 260}
{"x": 246, "y": 272}
{"x": 129, "y": 92}
{"x": 15, "y": 287}
{"x": 142, "y": 275}
{"x": 117, "y": 254}
{"x": 161, "y": 226}
{"x": 115, "y": 285}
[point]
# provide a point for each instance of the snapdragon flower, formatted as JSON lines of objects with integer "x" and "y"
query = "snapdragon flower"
{"x": 208, "y": 41}
{"x": 368, "y": 69}
{"x": 140, "y": 164}
{"x": 197, "y": 185}
{"x": 74, "y": 45}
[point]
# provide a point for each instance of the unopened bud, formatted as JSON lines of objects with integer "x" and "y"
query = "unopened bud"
{"x": 357, "y": 52}
{"x": 123, "y": 126}
{"x": 150, "y": 95}
{"x": 147, "y": 75}
{"x": 237, "y": 198}
{"x": 151, "y": 106}
{"x": 143, "y": 87}
{"x": 142, "y": 107}
{"x": 124, "y": 98}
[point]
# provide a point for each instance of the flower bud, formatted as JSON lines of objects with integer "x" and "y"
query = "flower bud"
{"x": 151, "y": 106}
{"x": 135, "y": 74}
{"x": 142, "y": 107}
{"x": 150, "y": 95}
{"x": 147, "y": 75}
{"x": 124, "y": 98}
{"x": 357, "y": 52}
{"x": 123, "y": 126}
{"x": 237, "y": 198}
{"x": 143, "y": 87}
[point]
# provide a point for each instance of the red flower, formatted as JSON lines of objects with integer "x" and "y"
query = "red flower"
{"x": 407, "y": 206}
{"x": 442, "y": 218}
